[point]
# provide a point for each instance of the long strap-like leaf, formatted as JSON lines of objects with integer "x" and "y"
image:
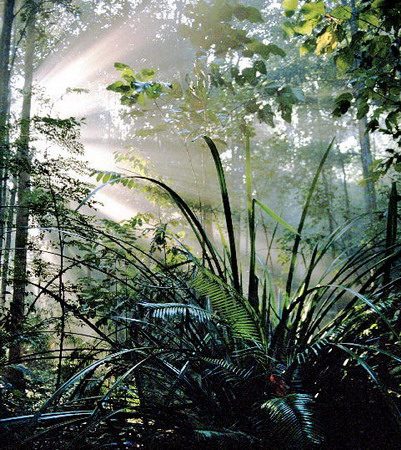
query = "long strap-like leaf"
{"x": 227, "y": 211}
{"x": 303, "y": 217}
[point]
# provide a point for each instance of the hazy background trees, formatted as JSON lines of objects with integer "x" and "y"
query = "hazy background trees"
{"x": 271, "y": 83}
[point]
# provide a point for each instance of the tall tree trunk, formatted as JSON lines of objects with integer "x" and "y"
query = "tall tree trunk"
{"x": 7, "y": 245}
{"x": 367, "y": 160}
{"x": 23, "y": 191}
{"x": 347, "y": 213}
{"x": 391, "y": 233}
{"x": 329, "y": 208}
{"x": 364, "y": 141}
{"x": 5, "y": 50}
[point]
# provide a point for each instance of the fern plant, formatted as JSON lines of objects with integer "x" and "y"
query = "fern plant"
{"x": 203, "y": 365}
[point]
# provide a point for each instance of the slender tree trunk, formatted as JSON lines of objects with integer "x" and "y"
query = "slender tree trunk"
{"x": 7, "y": 246}
{"x": 329, "y": 208}
{"x": 364, "y": 141}
{"x": 347, "y": 214}
{"x": 5, "y": 50}
{"x": 23, "y": 192}
{"x": 367, "y": 160}
{"x": 391, "y": 232}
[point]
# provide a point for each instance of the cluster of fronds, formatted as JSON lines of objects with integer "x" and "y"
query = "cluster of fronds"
{"x": 211, "y": 367}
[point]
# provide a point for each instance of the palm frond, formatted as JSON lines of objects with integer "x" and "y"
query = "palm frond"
{"x": 229, "y": 305}
{"x": 293, "y": 420}
{"x": 169, "y": 310}
{"x": 229, "y": 367}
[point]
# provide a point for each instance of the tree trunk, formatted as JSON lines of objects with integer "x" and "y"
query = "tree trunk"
{"x": 23, "y": 192}
{"x": 7, "y": 246}
{"x": 391, "y": 233}
{"x": 347, "y": 213}
{"x": 5, "y": 50}
{"x": 364, "y": 142}
{"x": 367, "y": 160}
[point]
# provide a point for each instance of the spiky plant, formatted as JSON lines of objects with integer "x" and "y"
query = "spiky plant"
{"x": 313, "y": 367}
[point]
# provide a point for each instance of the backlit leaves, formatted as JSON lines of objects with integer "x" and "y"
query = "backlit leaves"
{"x": 290, "y": 6}
{"x": 341, "y": 13}
{"x": 365, "y": 43}
{"x": 326, "y": 42}
{"x": 136, "y": 87}
{"x": 313, "y": 10}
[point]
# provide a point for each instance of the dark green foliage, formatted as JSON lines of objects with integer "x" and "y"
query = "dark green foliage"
{"x": 198, "y": 365}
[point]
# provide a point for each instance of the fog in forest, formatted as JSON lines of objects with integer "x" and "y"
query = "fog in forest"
{"x": 199, "y": 218}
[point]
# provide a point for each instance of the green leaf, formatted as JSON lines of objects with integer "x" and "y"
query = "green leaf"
{"x": 341, "y": 13}
{"x": 128, "y": 74}
{"x": 120, "y": 66}
{"x": 344, "y": 60}
{"x": 392, "y": 120}
{"x": 154, "y": 90}
{"x": 370, "y": 304}
{"x": 264, "y": 50}
{"x": 249, "y": 73}
{"x": 367, "y": 19}
{"x": 326, "y": 42}
{"x": 342, "y": 104}
{"x": 290, "y": 6}
{"x": 228, "y": 304}
{"x": 362, "y": 108}
{"x": 260, "y": 66}
{"x": 313, "y": 10}
{"x": 303, "y": 50}
{"x": 305, "y": 27}
{"x": 166, "y": 311}
{"x": 275, "y": 217}
{"x": 294, "y": 420}
{"x": 288, "y": 28}
{"x": 118, "y": 86}
{"x": 276, "y": 50}
{"x": 146, "y": 74}
{"x": 266, "y": 115}
{"x": 128, "y": 100}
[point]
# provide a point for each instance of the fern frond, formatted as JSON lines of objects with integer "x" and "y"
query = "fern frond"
{"x": 293, "y": 421}
{"x": 229, "y": 367}
{"x": 314, "y": 349}
{"x": 168, "y": 310}
{"x": 229, "y": 305}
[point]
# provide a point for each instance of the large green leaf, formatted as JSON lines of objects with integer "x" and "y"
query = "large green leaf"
{"x": 294, "y": 421}
{"x": 229, "y": 305}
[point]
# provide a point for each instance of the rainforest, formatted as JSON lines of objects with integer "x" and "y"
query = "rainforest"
{"x": 199, "y": 224}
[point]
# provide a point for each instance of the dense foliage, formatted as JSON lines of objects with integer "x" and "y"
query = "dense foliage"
{"x": 231, "y": 280}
